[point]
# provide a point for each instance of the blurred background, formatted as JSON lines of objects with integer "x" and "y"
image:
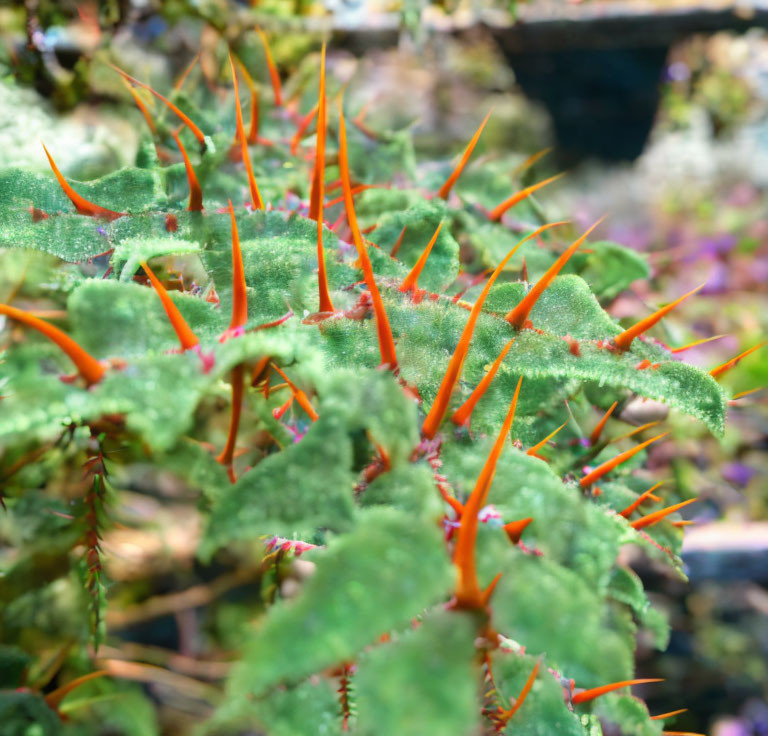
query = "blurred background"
{"x": 658, "y": 114}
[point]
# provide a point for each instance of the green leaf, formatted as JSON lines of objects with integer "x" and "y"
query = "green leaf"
{"x": 611, "y": 268}
{"x": 132, "y": 251}
{"x": 628, "y": 713}
{"x": 424, "y": 682}
{"x": 372, "y": 580}
{"x": 23, "y": 714}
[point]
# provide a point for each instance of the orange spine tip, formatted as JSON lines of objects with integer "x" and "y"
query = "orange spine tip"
{"x": 143, "y": 109}
{"x": 749, "y": 392}
{"x": 326, "y": 305}
{"x": 396, "y": 247}
{"x": 539, "y": 445}
{"x": 195, "y": 192}
{"x": 609, "y": 465}
{"x": 187, "y": 338}
{"x": 488, "y": 592}
{"x": 87, "y": 366}
{"x": 445, "y": 190}
{"x": 299, "y": 395}
{"x": 693, "y": 344}
{"x": 183, "y": 78}
{"x": 624, "y": 340}
{"x": 239, "y": 292}
{"x": 594, "y": 438}
{"x": 644, "y": 496}
{"x": 519, "y": 314}
{"x": 225, "y": 458}
{"x": 82, "y": 205}
{"x": 531, "y": 160}
{"x": 411, "y": 281}
{"x": 462, "y": 414}
{"x": 274, "y": 76}
{"x": 256, "y": 200}
{"x": 173, "y": 108}
{"x": 453, "y": 372}
{"x": 468, "y": 592}
{"x": 253, "y": 130}
{"x": 663, "y": 716}
{"x": 386, "y": 341}
{"x": 715, "y": 372}
{"x": 636, "y": 430}
{"x": 498, "y": 212}
{"x": 515, "y": 529}
{"x": 656, "y": 516}
{"x": 596, "y": 692}
{"x": 507, "y": 714}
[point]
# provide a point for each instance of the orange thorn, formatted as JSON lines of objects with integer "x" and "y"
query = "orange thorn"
{"x": 609, "y": 465}
{"x": 318, "y": 190}
{"x": 681, "y": 733}
{"x": 453, "y": 372}
{"x": 302, "y": 129}
{"x": 411, "y": 281}
{"x": 300, "y": 396}
{"x": 355, "y": 190}
{"x": 225, "y": 458}
{"x": 742, "y": 394}
{"x": 273, "y": 73}
{"x": 515, "y": 529}
{"x": 386, "y": 342}
{"x": 468, "y": 593}
{"x": 82, "y": 205}
{"x": 498, "y": 212}
{"x": 656, "y": 516}
{"x": 87, "y": 366}
{"x": 181, "y": 115}
{"x": 256, "y": 200}
{"x": 183, "y": 78}
{"x": 531, "y": 160}
{"x": 195, "y": 192}
{"x": 644, "y": 496}
{"x": 253, "y": 130}
{"x": 187, "y": 338}
{"x": 488, "y": 592}
{"x": 636, "y": 430}
{"x": 506, "y": 715}
{"x": 519, "y": 314}
{"x": 143, "y": 109}
{"x": 239, "y": 292}
{"x": 693, "y": 344}
{"x": 396, "y": 247}
{"x": 663, "y": 716}
{"x": 445, "y": 190}
{"x": 594, "y": 438}
{"x": 462, "y": 414}
{"x": 53, "y": 699}
{"x": 682, "y": 523}
{"x": 596, "y": 692}
{"x": 539, "y": 445}
{"x": 624, "y": 340}
{"x": 715, "y": 372}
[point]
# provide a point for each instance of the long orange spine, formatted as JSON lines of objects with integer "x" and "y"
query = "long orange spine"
{"x": 715, "y": 372}
{"x": 594, "y": 438}
{"x": 453, "y": 372}
{"x": 82, "y": 205}
{"x": 195, "y": 192}
{"x": 519, "y": 314}
{"x": 299, "y": 395}
{"x": 143, "y": 109}
{"x": 663, "y": 716}
{"x": 531, "y": 160}
{"x": 693, "y": 344}
{"x": 636, "y": 430}
{"x": 176, "y": 111}
{"x": 539, "y": 445}
{"x": 302, "y": 129}
{"x": 183, "y": 78}
{"x": 624, "y": 340}
{"x": 396, "y": 247}
{"x": 187, "y": 338}
{"x": 411, "y": 281}
{"x": 227, "y": 454}
{"x": 498, "y": 212}
{"x": 386, "y": 342}
{"x": 682, "y": 733}
{"x": 445, "y": 190}
{"x": 609, "y": 465}
{"x": 253, "y": 130}
{"x": 462, "y": 414}
{"x": 506, "y": 715}
{"x": 274, "y": 76}
{"x": 256, "y": 200}
{"x": 239, "y": 292}
{"x": 53, "y": 699}
{"x": 326, "y": 305}
{"x": 468, "y": 592}
{"x": 644, "y": 496}
{"x": 87, "y": 366}
{"x": 657, "y": 516}
{"x": 596, "y": 692}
